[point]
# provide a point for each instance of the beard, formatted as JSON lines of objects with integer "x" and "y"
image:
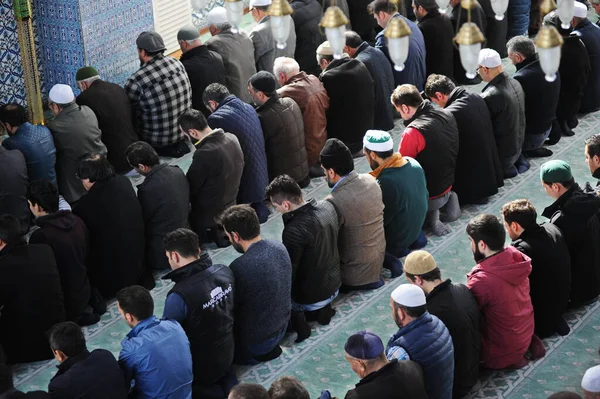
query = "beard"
{"x": 478, "y": 256}
{"x": 397, "y": 320}
{"x": 237, "y": 247}
{"x": 329, "y": 182}
{"x": 372, "y": 163}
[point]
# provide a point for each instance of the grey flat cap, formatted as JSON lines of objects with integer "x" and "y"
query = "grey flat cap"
{"x": 188, "y": 32}
{"x": 150, "y": 41}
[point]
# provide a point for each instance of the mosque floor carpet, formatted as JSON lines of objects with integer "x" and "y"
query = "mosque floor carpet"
{"x": 319, "y": 361}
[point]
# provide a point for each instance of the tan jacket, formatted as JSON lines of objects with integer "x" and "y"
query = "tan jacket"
{"x": 312, "y": 98}
{"x": 361, "y": 242}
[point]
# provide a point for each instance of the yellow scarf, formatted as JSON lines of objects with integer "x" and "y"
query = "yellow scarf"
{"x": 395, "y": 161}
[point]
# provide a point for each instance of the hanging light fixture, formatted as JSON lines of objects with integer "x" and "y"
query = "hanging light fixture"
{"x": 398, "y": 34}
{"x": 199, "y": 4}
{"x": 235, "y": 13}
{"x": 281, "y": 21}
{"x": 499, "y": 7}
{"x": 565, "y": 10}
{"x": 548, "y": 42}
{"x": 334, "y": 21}
{"x": 469, "y": 40}
{"x": 443, "y": 5}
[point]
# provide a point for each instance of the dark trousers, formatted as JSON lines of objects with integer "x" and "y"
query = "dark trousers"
{"x": 175, "y": 150}
{"x": 218, "y": 390}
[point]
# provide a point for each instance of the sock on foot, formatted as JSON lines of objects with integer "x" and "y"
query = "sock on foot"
{"x": 451, "y": 209}
{"x": 325, "y": 314}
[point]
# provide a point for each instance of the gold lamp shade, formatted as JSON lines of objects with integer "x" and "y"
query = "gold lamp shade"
{"x": 548, "y": 37}
{"x": 333, "y": 18}
{"x": 397, "y": 28}
{"x": 279, "y": 8}
{"x": 468, "y": 4}
{"x": 547, "y": 6}
{"x": 469, "y": 34}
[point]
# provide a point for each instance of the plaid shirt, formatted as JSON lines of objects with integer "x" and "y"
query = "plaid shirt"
{"x": 159, "y": 92}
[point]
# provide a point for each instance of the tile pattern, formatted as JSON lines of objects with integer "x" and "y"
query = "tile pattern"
{"x": 12, "y": 87}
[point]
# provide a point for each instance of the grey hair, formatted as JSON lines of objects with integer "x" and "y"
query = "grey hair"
{"x": 90, "y": 79}
{"x": 192, "y": 42}
{"x": 522, "y": 45}
{"x": 223, "y": 26}
{"x": 285, "y": 65}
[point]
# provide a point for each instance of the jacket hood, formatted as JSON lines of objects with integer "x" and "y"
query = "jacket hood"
{"x": 510, "y": 265}
{"x": 62, "y": 220}
{"x": 574, "y": 202}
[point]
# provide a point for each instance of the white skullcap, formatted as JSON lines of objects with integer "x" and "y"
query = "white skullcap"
{"x": 61, "y": 94}
{"x": 378, "y": 140}
{"x": 580, "y": 11}
{"x": 489, "y": 58}
{"x": 409, "y": 295}
{"x": 325, "y": 49}
{"x": 260, "y": 3}
{"x": 591, "y": 380}
{"x": 217, "y": 16}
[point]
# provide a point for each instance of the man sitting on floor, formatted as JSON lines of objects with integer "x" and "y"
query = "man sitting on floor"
{"x": 431, "y": 137}
{"x": 358, "y": 200}
{"x": 423, "y": 338}
{"x": 288, "y": 387}
{"x": 155, "y": 357}
{"x": 575, "y": 213}
{"x": 310, "y": 235}
{"x": 550, "y": 278}
{"x": 456, "y": 307}
{"x": 81, "y": 373}
{"x": 592, "y": 155}
{"x": 404, "y": 194}
{"x": 263, "y": 280}
{"x": 507, "y": 329}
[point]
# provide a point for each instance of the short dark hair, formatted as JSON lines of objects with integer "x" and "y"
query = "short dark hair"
{"x": 593, "y": 145}
{"x": 520, "y": 211}
{"x": 43, "y": 193}
{"x": 438, "y": 84}
{"x": 68, "y": 338}
{"x": 408, "y": 95}
{"x": 137, "y": 301}
{"x": 10, "y": 229}
{"x": 375, "y": 7}
{"x": 183, "y": 241}
{"x": 353, "y": 39}
{"x": 6, "y": 380}
{"x": 241, "y": 219}
{"x": 141, "y": 153}
{"x": 192, "y": 119}
{"x": 487, "y": 228}
{"x": 288, "y": 387}
{"x": 433, "y": 275}
{"x": 94, "y": 167}
{"x": 415, "y": 312}
{"x": 522, "y": 45}
{"x": 284, "y": 188}
{"x": 566, "y": 184}
{"x": 249, "y": 391}
{"x": 13, "y": 114}
{"x": 381, "y": 154}
{"x": 214, "y": 92}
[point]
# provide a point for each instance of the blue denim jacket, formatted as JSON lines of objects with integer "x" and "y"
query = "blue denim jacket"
{"x": 37, "y": 146}
{"x": 156, "y": 356}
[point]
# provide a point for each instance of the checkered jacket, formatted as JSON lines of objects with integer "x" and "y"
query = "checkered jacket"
{"x": 159, "y": 92}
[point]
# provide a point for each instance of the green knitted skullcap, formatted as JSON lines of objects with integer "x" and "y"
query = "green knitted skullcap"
{"x": 85, "y": 73}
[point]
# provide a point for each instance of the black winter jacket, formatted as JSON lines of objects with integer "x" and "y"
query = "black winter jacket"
{"x": 439, "y": 50}
{"x": 203, "y": 67}
{"x": 66, "y": 234}
{"x": 574, "y": 71}
{"x": 505, "y": 100}
{"x": 438, "y": 159}
{"x": 208, "y": 291}
{"x": 214, "y": 177}
{"x": 541, "y": 96}
{"x": 351, "y": 101}
{"x": 283, "y": 128}
{"x": 310, "y": 235}
{"x": 590, "y": 36}
{"x": 575, "y": 213}
{"x": 477, "y": 155}
{"x": 307, "y": 15}
{"x": 113, "y": 216}
{"x": 397, "y": 379}
{"x": 550, "y": 278}
{"x": 13, "y": 186}
{"x": 383, "y": 79}
{"x": 165, "y": 199}
{"x": 90, "y": 375}
{"x": 31, "y": 300}
{"x": 456, "y": 307}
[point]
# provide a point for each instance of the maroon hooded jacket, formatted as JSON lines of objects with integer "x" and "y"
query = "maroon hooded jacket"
{"x": 500, "y": 285}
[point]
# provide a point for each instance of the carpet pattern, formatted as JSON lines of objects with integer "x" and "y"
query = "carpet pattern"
{"x": 319, "y": 361}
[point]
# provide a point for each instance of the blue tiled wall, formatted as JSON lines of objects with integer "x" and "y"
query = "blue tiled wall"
{"x": 11, "y": 73}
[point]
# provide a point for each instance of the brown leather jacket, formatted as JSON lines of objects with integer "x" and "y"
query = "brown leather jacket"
{"x": 312, "y": 98}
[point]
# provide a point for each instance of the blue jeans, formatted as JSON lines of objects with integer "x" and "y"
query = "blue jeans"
{"x": 311, "y": 307}
{"x": 246, "y": 356}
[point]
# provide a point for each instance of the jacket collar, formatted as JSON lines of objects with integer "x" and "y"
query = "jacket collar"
{"x": 152, "y": 60}
{"x": 272, "y": 100}
{"x": 454, "y": 95}
{"x": 310, "y": 205}
{"x": 9, "y": 247}
{"x": 208, "y": 137}
{"x": 142, "y": 325}
{"x": 529, "y": 61}
{"x": 202, "y": 49}
{"x": 494, "y": 82}
{"x": 596, "y": 173}
{"x": 68, "y": 109}
{"x": 529, "y": 232}
{"x": 424, "y": 318}
{"x": 226, "y": 100}
{"x": 560, "y": 201}
{"x": 197, "y": 266}
{"x": 422, "y": 109}
{"x": 439, "y": 288}
{"x": 584, "y": 23}
{"x": 299, "y": 76}
{"x": 335, "y": 63}
{"x": 70, "y": 362}
{"x": 345, "y": 180}
{"x": 376, "y": 374}
{"x": 430, "y": 14}
{"x": 156, "y": 169}
{"x": 363, "y": 46}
